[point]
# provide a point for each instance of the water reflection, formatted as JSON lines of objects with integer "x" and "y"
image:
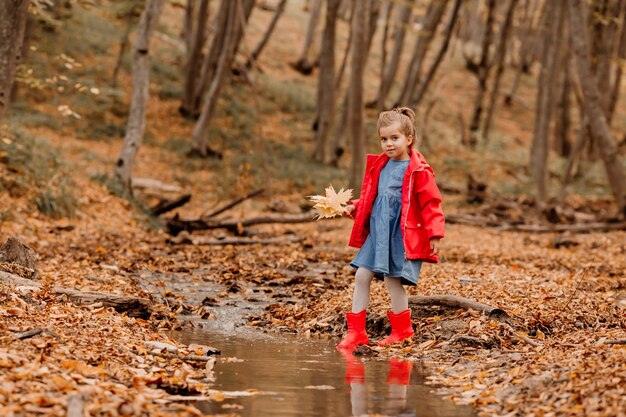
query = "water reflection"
{"x": 311, "y": 378}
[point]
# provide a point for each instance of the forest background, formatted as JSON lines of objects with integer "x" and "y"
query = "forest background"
{"x": 110, "y": 111}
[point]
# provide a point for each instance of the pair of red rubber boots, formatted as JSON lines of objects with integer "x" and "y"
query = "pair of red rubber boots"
{"x": 401, "y": 329}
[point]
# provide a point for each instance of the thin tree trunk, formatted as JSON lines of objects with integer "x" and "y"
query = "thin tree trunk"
{"x": 378, "y": 103}
{"x": 13, "y": 15}
{"x": 232, "y": 30}
{"x": 544, "y": 103}
{"x": 268, "y": 33}
{"x": 304, "y": 63}
{"x": 326, "y": 83}
{"x": 401, "y": 22}
{"x": 211, "y": 58}
{"x": 355, "y": 111}
{"x": 137, "y": 114}
{"x": 344, "y": 61}
{"x": 189, "y": 28}
{"x": 500, "y": 55}
{"x": 123, "y": 46}
{"x": 482, "y": 73}
{"x": 194, "y": 57}
{"x": 593, "y": 106}
{"x": 442, "y": 51}
{"x": 574, "y": 154}
{"x": 617, "y": 78}
{"x": 562, "y": 144}
{"x": 434, "y": 14}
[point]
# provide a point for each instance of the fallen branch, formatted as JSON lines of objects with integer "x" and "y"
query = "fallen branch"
{"x": 232, "y": 204}
{"x": 206, "y": 241}
{"x": 457, "y": 302}
{"x": 28, "y": 334}
{"x": 152, "y": 184}
{"x": 521, "y": 336}
{"x": 168, "y": 205}
{"x": 176, "y": 225}
{"x": 133, "y": 306}
{"x": 572, "y": 228}
{"x": 615, "y": 342}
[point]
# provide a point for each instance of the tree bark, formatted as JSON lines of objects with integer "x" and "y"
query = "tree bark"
{"x": 355, "y": 89}
{"x": 562, "y": 144}
{"x": 383, "y": 59}
{"x": 434, "y": 14}
{"x": 123, "y": 46}
{"x": 13, "y": 14}
{"x": 200, "y": 145}
{"x": 401, "y": 22}
{"x": 304, "y": 63}
{"x": 194, "y": 57}
{"x": 500, "y": 55}
{"x": 593, "y": 106}
{"x": 544, "y": 103}
{"x": 617, "y": 78}
{"x": 482, "y": 72}
{"x": 268, "y": 33}
{"x": 137, "y": 118}
{"x": 326, "y": 84}
{"x": 442, "y": 51}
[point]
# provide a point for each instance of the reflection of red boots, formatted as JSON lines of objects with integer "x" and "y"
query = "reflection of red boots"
{"x": 355, "y": 370}
{"x": 356, "y": 332}
{"x": 401, "y": 327}
{"x": 399, "y": 372}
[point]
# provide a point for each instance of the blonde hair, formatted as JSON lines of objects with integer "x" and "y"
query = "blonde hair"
{"x": 402, "y": 115}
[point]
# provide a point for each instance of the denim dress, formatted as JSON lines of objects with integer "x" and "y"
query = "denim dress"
{"x": 383, "y": 250}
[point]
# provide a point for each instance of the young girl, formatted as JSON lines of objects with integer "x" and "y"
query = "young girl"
{"x": 398, "y": 223}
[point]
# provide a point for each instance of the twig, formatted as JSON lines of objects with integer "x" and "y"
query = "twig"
{"x": 232, "y": 204}
{"x": 28, "y": 334}
{"x": 571, "y": 297}
{"x": 521, "y": 336}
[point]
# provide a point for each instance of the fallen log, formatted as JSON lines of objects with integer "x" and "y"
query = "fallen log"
{"x": 133, "y": 306}
{"x": 206, "y": 241}
{"x": 232, "y": 204}
{"x": 176, "y": 225}
{"x": 572, "y": 228}
{"x": 155, "y": 185}
{"x": 457, "y": 302}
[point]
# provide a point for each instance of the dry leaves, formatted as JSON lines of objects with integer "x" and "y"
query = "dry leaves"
{"x": 332, "y": 204}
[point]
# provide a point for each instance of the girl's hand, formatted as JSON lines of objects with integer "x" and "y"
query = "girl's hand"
{"x": 435, "y": 244}
{"x": 349, "y": 210}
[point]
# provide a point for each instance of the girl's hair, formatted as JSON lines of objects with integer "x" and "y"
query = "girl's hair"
{"x": 403, "y": 115}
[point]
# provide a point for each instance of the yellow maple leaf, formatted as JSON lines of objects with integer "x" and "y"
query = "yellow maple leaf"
{"x": 332, "y": 204}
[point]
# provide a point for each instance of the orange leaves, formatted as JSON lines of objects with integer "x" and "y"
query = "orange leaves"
{"x": 332, "y": 204}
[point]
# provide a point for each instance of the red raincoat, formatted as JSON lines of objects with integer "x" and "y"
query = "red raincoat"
{"x": 422, "y": 217}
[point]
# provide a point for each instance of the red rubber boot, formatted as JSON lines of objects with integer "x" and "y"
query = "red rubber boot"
{"x": 356, "y": 332}
{"x": 401, "y": 327}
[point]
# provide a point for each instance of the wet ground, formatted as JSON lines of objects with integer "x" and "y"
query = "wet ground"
{"x": 290, "y": 376}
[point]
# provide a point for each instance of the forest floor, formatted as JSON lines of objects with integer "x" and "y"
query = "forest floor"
{"x": 564, "y": 294}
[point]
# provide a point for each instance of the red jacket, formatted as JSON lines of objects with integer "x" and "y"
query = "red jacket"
{"x": 422, "y": 217}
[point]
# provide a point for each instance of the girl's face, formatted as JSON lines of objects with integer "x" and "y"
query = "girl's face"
{"x": 394, "y": 143}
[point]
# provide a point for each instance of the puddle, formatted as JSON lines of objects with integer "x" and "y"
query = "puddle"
{"x": 296, "y": 377}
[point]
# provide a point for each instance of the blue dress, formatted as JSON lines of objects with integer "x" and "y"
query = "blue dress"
{"x": 383, "y": 250}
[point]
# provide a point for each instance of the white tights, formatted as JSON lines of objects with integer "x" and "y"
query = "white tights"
{"x": 361, "y": 297}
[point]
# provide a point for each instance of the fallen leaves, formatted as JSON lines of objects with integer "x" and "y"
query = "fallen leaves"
{"x": 332, "y": 204}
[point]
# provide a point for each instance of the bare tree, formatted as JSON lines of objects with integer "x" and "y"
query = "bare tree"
{"x": 194, "y": 55}
{"x": 355, "y": 111}
{"x": 434, "y": 13}
{"x": 305, "y": 62}
{"x": 545, "y": 102}
{"x": 13, "y": 15}
{"x": 268, "y": 33}
{"x": 326, "y": 83}
{"x": 137, "y": 115}
{"x": 593, "y": 106}
{"x": 401, "y": 21}
{"x": 500, "y": 56}
{"x": 232, "y": 29}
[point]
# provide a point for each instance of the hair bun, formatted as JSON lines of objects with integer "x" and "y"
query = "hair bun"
{"x": 407, "y": 112}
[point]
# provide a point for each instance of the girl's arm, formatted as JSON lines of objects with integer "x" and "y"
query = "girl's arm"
{"x": 429, "y": 199}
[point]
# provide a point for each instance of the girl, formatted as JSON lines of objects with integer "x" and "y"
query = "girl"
{"x": 398, "y": 224}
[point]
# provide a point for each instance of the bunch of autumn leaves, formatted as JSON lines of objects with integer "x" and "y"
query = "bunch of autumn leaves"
{"x": 332, "y": 204}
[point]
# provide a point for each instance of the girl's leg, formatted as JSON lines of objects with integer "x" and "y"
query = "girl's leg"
{"x": 399, "y": 298}
{"x": 361, "y": 296}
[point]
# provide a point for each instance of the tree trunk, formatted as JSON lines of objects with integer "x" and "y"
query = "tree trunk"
{"x": 13, "y": 14}
{"x": 123, "y": 46}
{"x": 188, "y": 30}
{"x": 434, "y": 13}
{"x": 355, "y": 111}
{"x": 562, "y": 144}
{"x": 194, "y": 57}
{"x": 593, "y": 106}
{"x": 482, "y": 72}
{"x": 326, "y": 84}
{"x": 232, "y": 30}
{"x": 378, "y": 103}
{"x": 544, "y": 103}
{"x": 268, "y": 33}
{"x": 500, "y": 55}
{"x": 401, "y": 22}
{"x": 617, "y": 77}
{"x": 442, "y": 51}
{"x": 210, "y": 60}
{"x": 137, "y": 115}
{"x": 304, "y": 63}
